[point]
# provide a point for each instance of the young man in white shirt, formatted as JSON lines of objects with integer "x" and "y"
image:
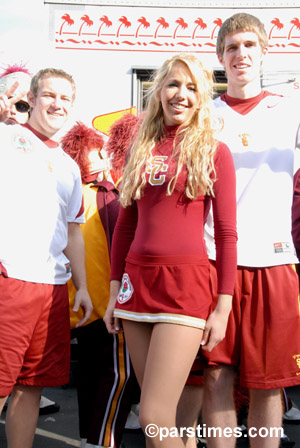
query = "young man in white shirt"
{"x": 262, "y": 341}
{"x": 41, "y": 246}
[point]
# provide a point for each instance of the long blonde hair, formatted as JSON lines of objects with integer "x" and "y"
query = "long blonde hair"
{"x": 194, "y": 144}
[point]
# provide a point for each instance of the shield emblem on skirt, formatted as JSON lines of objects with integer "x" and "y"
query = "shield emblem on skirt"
{"x": 126, "y": 290}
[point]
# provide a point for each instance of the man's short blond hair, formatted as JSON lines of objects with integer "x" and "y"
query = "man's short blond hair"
{"x": 51, "y": 73}
{"x": 241, "y": 22}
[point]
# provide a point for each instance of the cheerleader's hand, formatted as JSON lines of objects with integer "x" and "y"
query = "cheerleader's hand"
{"x": 216, "y": 324}
{"x": 113, "y": 324}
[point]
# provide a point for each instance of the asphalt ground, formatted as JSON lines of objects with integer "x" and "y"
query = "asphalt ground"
{"x": 60, "y": 430}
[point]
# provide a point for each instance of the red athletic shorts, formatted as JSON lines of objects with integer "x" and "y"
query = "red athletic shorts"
{"x": 263, "y": 333}
{"x": 196, "y": 377}
{"x": 34, "y": 334}
{"x": 168, "y": 289}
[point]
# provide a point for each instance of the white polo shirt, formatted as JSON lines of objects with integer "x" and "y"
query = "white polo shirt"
{"x": 40, "y": 194}
{"x": 263, "y": 145}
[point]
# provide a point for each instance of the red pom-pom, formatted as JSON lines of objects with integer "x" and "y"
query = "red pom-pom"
{"x": 78, "y": 143}
{"x": 15, "y": 69}
{"x": 121, "y": 135}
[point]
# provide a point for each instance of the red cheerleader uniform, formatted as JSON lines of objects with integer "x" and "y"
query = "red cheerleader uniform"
{"x": 158, "y": 247}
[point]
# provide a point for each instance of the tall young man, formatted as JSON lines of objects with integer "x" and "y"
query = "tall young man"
{"x": 41, "y": 246}
{"x": 263, "y": 334}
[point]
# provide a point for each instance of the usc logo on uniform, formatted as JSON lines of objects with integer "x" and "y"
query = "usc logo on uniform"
{"x": 244, "y": 139}
{"x": 297, "y": 359}
{"x": 155, "y": 167}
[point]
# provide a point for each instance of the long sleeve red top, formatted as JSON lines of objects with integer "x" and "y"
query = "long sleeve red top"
{"x": 158, "y": 224}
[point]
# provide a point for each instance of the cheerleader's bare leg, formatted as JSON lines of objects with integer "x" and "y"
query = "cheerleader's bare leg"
{"x": 162, "y": 355}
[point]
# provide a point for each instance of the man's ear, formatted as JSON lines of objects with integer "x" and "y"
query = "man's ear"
{"x": 31, "y": 99}
{"x": 263, "y": 54}
{"x": 220, "y": 59}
